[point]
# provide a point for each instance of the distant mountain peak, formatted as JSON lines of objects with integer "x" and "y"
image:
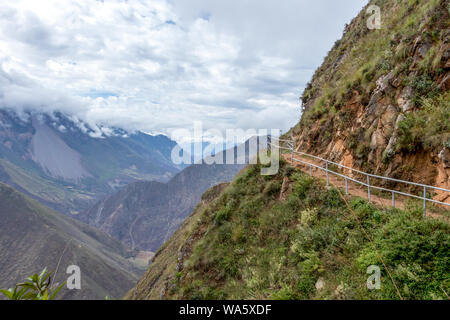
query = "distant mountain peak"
{"x": 67, "y": 164}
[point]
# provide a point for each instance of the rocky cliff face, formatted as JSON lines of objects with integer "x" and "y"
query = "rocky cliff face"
{"x": 380, "y": 100}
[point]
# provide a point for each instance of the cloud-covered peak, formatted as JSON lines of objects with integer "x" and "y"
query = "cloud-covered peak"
{"x": 159, "y": 65}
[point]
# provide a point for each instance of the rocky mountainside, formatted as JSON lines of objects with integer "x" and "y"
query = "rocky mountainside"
{"x": 33, "y": 237}
{"x": 380, "y": 100}
{"x": 68, "y": 166}
{"x": 143, "y": 215}
{"x": 289, "y": 237}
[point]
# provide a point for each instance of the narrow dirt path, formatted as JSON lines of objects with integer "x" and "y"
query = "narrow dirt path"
{"x": 353, "y": 188}
{"x": 130, "y": 232}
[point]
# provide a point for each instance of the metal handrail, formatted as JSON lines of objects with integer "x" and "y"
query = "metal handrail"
{"x": 372, "y": 175}
{"x": 291, "y": 148}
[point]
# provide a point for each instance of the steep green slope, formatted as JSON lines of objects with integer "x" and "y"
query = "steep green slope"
{"x": 380, "y": 103}
{"x": 33, "y": 237}
{"x": 66, "y": 165}
{"x": 50, "y": 192}
{"x": 282, "y": 237}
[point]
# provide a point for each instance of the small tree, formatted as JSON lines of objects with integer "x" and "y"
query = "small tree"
{"x": 37, "y": 287}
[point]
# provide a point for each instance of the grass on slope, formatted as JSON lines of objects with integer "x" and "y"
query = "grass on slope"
{"x": 247, "y": 244}
{"x": 363, "y": 56}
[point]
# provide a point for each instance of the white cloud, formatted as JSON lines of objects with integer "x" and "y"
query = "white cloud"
{"x": 158, "y": 65}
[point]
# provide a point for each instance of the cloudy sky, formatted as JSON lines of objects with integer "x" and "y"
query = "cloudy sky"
{"x": 161, "y": 64}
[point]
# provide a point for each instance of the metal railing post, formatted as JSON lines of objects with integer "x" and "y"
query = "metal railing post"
{"x": 292, "y": 144}
{"x": 291, "y": 147}
{"x": 292, "y": 155}
{"x": 346, "y": 186}
{"x": 424, "y": 201}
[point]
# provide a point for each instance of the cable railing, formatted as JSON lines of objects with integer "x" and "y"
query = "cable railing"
{"x": 289, "y": 145}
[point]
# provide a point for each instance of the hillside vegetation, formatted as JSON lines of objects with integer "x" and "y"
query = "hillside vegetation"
{"x": 379, "y": 103}
{"x": 65, "y": 166}
{"x": 280, "y": 237}
{"x": 144, "y": 215}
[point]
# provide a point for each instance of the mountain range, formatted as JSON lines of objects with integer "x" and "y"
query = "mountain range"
{"x": 68, "y": 166}
{"x": 379, "y": 103}
{"x": 34, "y": 237}
{"x": 144, "y": 214}
{"x": 106, "y": 199}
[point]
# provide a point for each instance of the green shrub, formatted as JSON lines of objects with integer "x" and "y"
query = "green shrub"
{"x": 36, "y": 287}
{"x": 332, "y": 198}
{"x": 224, "y": 213}
{"x": 268, "y": 248}
{"x": 303, "y": 185}
{"x": 285, "y": 293}
{"x": 424, "y": 87}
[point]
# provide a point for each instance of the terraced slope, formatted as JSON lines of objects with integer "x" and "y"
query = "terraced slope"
{"x": 289, "y": 237}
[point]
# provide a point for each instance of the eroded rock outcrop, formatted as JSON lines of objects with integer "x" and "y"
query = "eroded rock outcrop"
{"x": 367, "y": 108}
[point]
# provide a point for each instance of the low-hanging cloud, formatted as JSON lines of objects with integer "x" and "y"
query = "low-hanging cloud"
{"x": 159, "y": 65}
